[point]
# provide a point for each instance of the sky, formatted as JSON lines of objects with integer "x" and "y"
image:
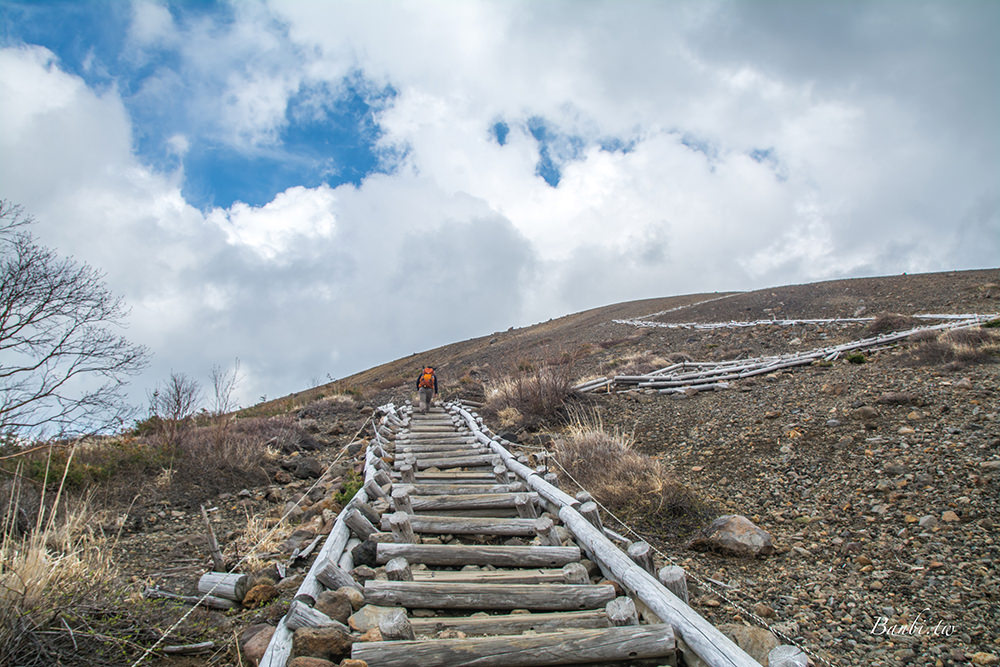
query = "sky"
{"x": 317, "y": 187}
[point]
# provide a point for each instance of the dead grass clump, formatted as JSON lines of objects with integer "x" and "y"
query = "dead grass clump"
{"x": 889, "y": 322}
{"x": 924, "y": 336}
{"x": 679, "y": 357}
{"x": 535, "y": 393}
{"x": 955, "y": 350}
{"x": 975, "y": 337}
{"x": 630, "y": 482}
{"x": 639, "y": 363}
{"x": 329, "y": 407}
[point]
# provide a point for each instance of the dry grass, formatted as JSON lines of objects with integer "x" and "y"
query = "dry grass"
{"x": 889, "y": 322}
{"x": 638, "y": 363}
{"x": 955, "y": 349}
{"x": 605, "y": 463}
{"x": 535, "y": 393}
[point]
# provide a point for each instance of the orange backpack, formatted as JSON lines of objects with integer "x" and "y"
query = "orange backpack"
{"x": 427, "y": 379}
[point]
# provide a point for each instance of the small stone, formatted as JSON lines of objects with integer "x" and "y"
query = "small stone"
{"x": 373, "y": 635}
{"x": 895, "y": 468}
{"x": 949, "y": 516}
{"x": 875, "y": 585}
{"x": 328, "y": 641}
{"x": 763, "y": 610}
{"x": 927, "y": 522}
{"x": 335, "y": 604}
{"x": 906, "y": 430}
{"x": 915, "y": 415}
{"x": 282, "y": 477}
{"x": 990, "y": 465}
{"x": 964, "y": 383}
{"x": 351, "y": 662}
{"x": 356, "y": 597}
{"x": 983, "y": 658}
{"x": 363, "y": 573}
{"x": 833, "y": 422}
{"x": 306, "y": 661}
{"x": 368, "y": 617}
{"x": 735, "y": 534}
{"x": 863, "y": 560}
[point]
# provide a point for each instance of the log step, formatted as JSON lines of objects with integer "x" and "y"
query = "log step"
{"x": 511, "y": 624}
{"x": 537, "y": 597}
{"x": 550, "y": 648}
{"x": 478, "y": 461}
{"x": 425, "y": 489}
{"x": 467, "y": 501}
{"x": 451, "y": 525}
{"x": 519, "y": 576}
{"x": 461, "y": 554}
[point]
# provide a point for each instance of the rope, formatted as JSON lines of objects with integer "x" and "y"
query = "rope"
{"x": 701, "y": 582}
{"x": 254, "y": 550}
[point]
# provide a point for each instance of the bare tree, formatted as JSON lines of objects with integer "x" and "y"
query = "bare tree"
{"x": 224, "y": 382}
{"x": 63, "y": 360}
{"x": 173, "y": 402}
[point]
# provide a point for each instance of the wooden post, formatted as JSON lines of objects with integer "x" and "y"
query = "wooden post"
{"x": 301, "y": 615}
{"x": 357, "y": 522}
{"x": 373, "y": 490}
{"x": 333, "y": 577}
{"x": 675, "y": 580}
{"x": 213, "y": 544}
{"x": 367, "y": 510}
{"x": 552, "y": 479}
{"x": 500, "y": 472}
{"x": 406, "y": 473}
{"x": 401, "y": 528}
{"x": 346, "y": 560}
{"x": 584, "y": 497}
{"x": 546, "y": 530}
{"x": 575, "y": 573}
{"x": 382, "y": 477}
{"x": 398, "y": 569}
{"x": 224, "y": 585}
{"x": 787, "y": 656}
{"x": 642, "y": 555}
{"x": 621, "y": 611}
{"x": 401, "y": 499}
{"x": 525, "y": 507}
{"x": 592, "y": 514}
{"x": 396, "y": 625}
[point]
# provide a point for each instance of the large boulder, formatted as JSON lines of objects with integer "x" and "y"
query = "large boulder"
{"x": 734, "y": 534}
{"x": 254, "y": 641}
{"x": 330, "y": 642}
{"x": 756, "y": 641}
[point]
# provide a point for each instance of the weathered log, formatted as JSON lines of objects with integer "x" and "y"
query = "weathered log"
{"x": 621, "y": 611}
{"x": 366, "y": 510}
{"x": 552, "y": 479}
{"x": 518, "y": 576}
{"x": 396, "y": 626}
{"x": 546, "y": 530}
{"x": 787, "y": 656}
{"x": 333, "y": 577}
{"x": 499, "y": 556}
{"x": 382, "y": 477}
{"x": 188, "y": 649}
{"x": 434, "y": 595}
{"x": 301, "y": 615}
{"x": 556, "y": 648}
{"x": 583, "y": 497}
{"x": 401, "y": 526}
{"x": 346, "y": 560}
{"x": 454, "y": 477}
{"x": 472, "y": 461}
{"x": 501, "y": 474}
{"x": 425, "y": 489}
{"x": 642, "y": 554}
{"x": 575, "y": 573}
{"x": 213, "y": 544}
{"x": 450, "y": 525}
{"x": 398, "y": 569}
{"x": 231, "y": 586}
{"x": 358, "y": 524}
{"x": 209, "y": 601}
{"x": 512, "y": 624}
{"x": 589, "y": 510}
{"x": 525, "y": 505}
{"x": 406, "y": 473}
{"x": 401, "y": 499}
{"x": 465, "y": 501}
{"x": 373, "y": 490}
{"x": 675, "y": 579}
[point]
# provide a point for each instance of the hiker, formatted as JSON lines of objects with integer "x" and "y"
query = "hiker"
{"x": 427, "y": 387}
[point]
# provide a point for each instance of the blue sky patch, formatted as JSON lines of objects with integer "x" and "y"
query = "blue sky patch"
{"x": 500, "y": 131}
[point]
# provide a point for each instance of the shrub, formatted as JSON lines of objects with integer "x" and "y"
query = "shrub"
{"x": 352, "y": 482}
{"x": 538, "y": 394}
{"x": 606, "y": 465}
{"x": 888, "y": 322}
{"x": 856, "y": 358}
{"x": 992, "y": 324}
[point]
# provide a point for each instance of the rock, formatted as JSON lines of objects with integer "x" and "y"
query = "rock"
{"x": 259, "y": 595}
{"x": 350, "y": 662}
{"x": 990, "y": 465}
{"x": 735, "y": 534}
{"x": 328, "y": 641}
{"x": 763, "y": 610}
{"x": 363, "y": 573}
{"x": 335, "y": 604}
{"x": 254, "y": 641}
{"x": 982, "y": 658}
{"x": 898, "y": 398}
{"x": 291, "y": 583}
{"x": 833, "y": 422}
{"x": 364, "y": 553}
{"x": 866, "y": 413}
{"x": 308, "y": 467}
{"x": 297, "y": 540}
{"x": 356, "y": 597}
{"x": 895, "y": 468}
{"x": 282, "y": 477}
{"x": 303, "y": 661}
{"x": 964, "y": 383}
{"x": 368, "y": 617}
{"x": 373, "y": 635}
{"x": 949, "y": 516}
{"x": 756, "y": 641}
{"x": 927, "y": 522}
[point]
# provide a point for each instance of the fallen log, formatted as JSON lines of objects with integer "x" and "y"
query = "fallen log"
{"x": 539, "y": 597}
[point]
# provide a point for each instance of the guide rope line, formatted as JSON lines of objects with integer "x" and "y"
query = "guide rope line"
{"x": 254, "y": 550}
{"x": 739, "y": 607}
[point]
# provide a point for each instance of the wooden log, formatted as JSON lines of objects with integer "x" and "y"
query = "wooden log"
{"x": 401, "y": 527}
{"x": 346, "y": 560}
{"x": 213, "y": 544}
{"x": 583, "y": 497}
{"x": 373, "y": 490}
{"x": 454, "y": 477}
{"x": 434, "y": 595}
{"x": 465, "y": 501}
{"x": 546, "y": 530}
{"x": 359, "y": 524}
{"x": 382, "y": 477}
{"x": 398, "y": 569}
{"x": 476, "y": 461}
{"x": 499, "y": 556}
{"x": 555, "y": 648}
{"x": 425, "y": 489}
{"x": 453, "y": 452}
{"x": 301, "y": 615}
{"x": 787, "y": 656}
{"x": 333, "y": 577}
{"x": 406, "y": 473}
{"x": 231, "y": 586}
{"x": 512, "y": 624}
{"x": 518, "y": 576}
{"x": 188, "y": 649}
{"x": 525, "y": 506}
{"x": 552, "y": 479}
{"x": 396, "y": 626}
{"x": 451, "y": 525}
{"x": 366, "y": 510}
{"x": 707, "y": 642}
{"x": 401, "y": 499}
{"x": 642, "y": 554}
{"x": 621, "y": 611}
{"x": 501, "y": 474}
{"x": 575, "y": 573}
{"x": 675, "y": 579}
{"x": 590, "y": 511}
{"x": 209, "y": 601}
